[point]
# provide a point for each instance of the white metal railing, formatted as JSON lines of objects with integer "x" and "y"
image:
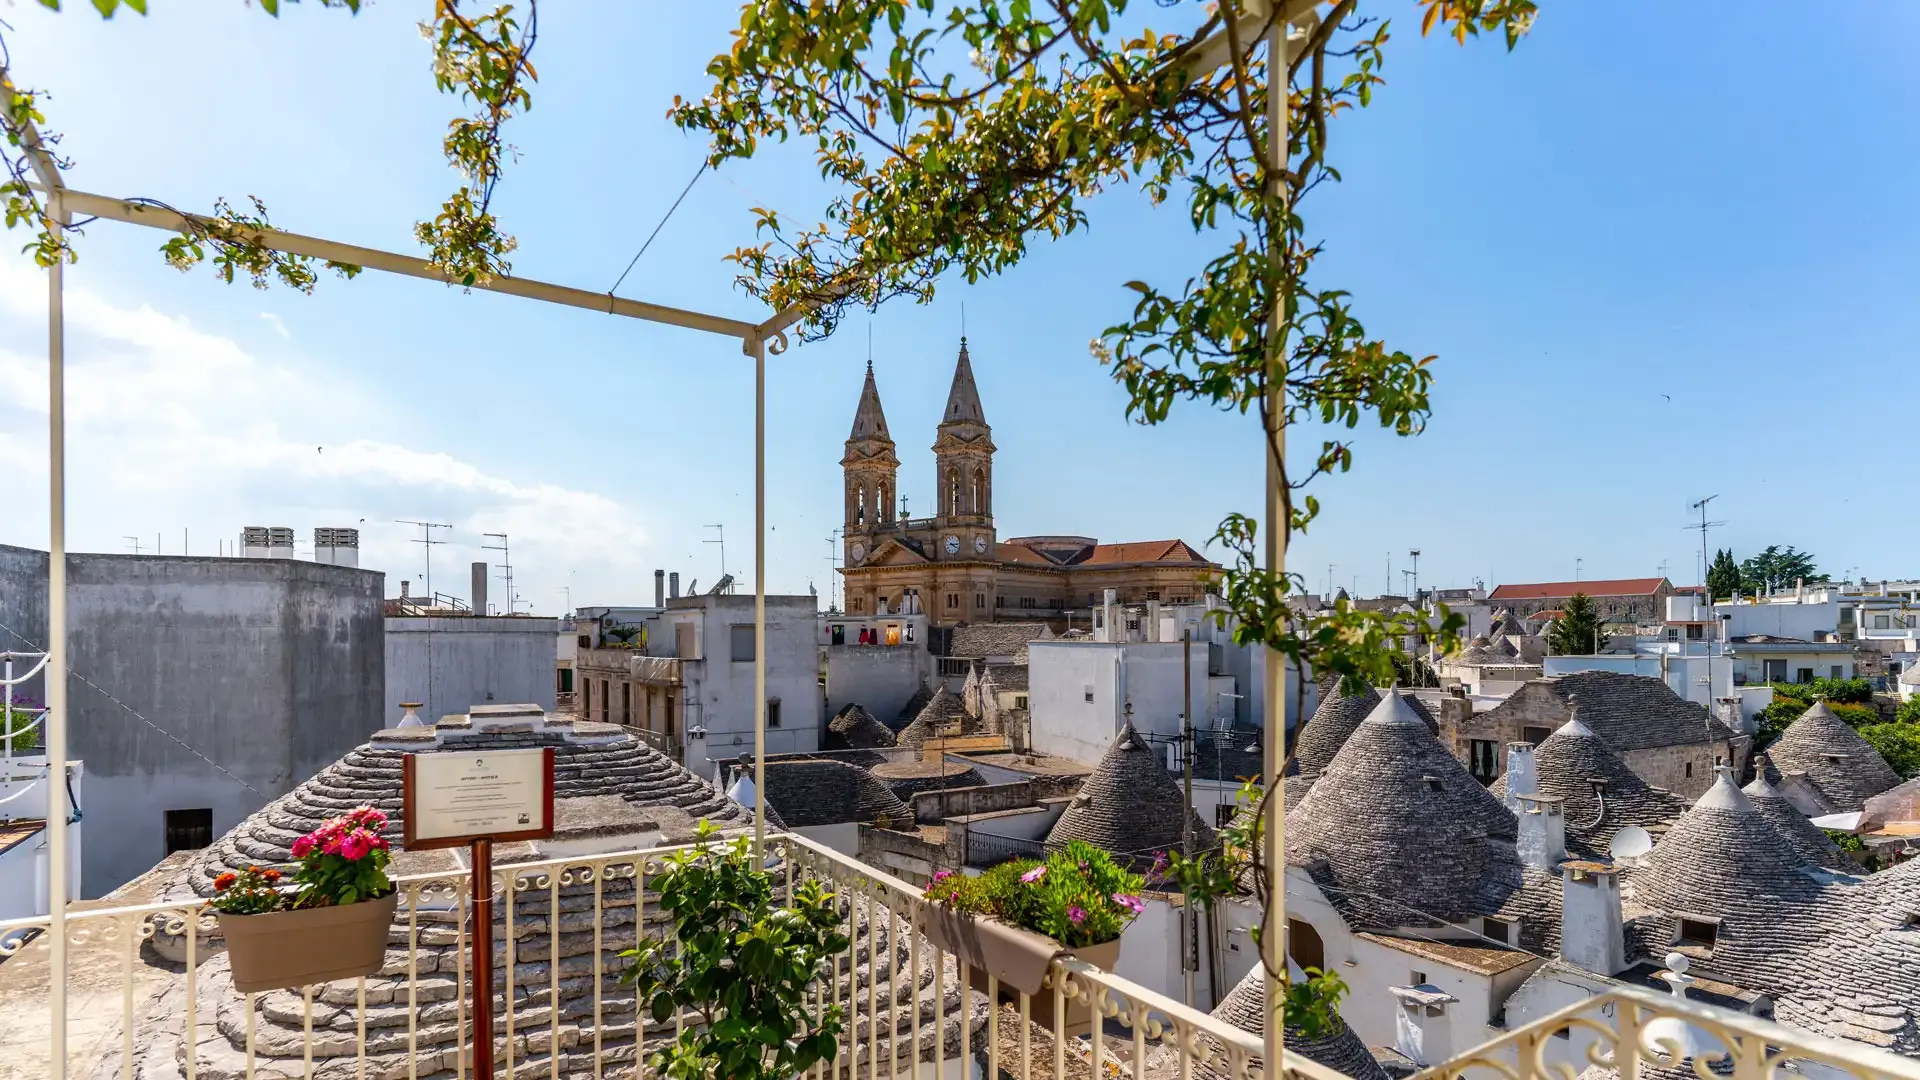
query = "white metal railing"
{"x": 148, "y": 998}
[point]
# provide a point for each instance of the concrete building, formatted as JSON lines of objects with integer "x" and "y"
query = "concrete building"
{"x": 265, "y": 669}
{"x": 447, "y": 664}
{"x": 1621, "y": 600}
{"x": 878, "y": 662}
{"x": 1082, "y": 694}
{"x": 685, "y": 677}
{"x": 24, "y": 853}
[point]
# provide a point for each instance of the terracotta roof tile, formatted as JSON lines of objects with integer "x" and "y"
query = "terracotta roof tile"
{"x": 1548, "y": 590}
{"x": 1145, "y": 551}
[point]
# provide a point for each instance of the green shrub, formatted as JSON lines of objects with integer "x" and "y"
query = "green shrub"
{"x": 1078, "y": 896}
{"x": 1909, "y": 711}
{"x": 1898, "y": 743}
{"x": 1855, "y": 716}
{"x": 1836, "y": 691}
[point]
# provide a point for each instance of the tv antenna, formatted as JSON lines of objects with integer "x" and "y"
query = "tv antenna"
{"x": 135, "y": 541}
{"x": 722, "y": 541}
{"x": 1415, "y": 556}
{"x": 506, "y": 565}
{"x": 426, "y": 541}
{"x": 1704, "y": 526}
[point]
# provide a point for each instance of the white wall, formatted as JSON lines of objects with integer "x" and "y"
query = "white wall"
{"x": 24, "y": 868}
{"x": 1062, "y": 675}
{"x": 721, "y": 688}
{"x": 1781, "y": 620}
{"x": 453, "y": 664}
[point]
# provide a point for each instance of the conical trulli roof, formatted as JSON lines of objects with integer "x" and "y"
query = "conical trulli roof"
{"x": 1245, "y": 1008}
{"x": 1131, "y": 806}
{"x": 818, "y": 792}
{"x": 1813, "y": 844}
{"x": 944, "y": 714}
{"x": 1400, "y": 825}
{"x": 1338, "y": 714}
{"x": 1844, "y": 766}
{"x": 1722, "y": 858}
{"x": 1602, "y": 796}
{"x": 854, "y": 728}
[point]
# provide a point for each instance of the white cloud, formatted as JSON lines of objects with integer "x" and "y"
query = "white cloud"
{"x": 279, "y": 325}
{"x": 169, "y": 423}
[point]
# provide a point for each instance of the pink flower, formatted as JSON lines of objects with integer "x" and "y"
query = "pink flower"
{"x": 303, "y": 846}
{"x": 331, "y": 845}
{"x": 1131, "y": 903}
{"x": 356, "y": 845}
{"x": 942, "y": 875}
{"x": 1034, "y": 874}
{"x": 1076, "y": 914}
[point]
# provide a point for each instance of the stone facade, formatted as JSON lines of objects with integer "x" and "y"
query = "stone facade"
{"x": 952, "y": 566}
{"x": 1640, "y": 600}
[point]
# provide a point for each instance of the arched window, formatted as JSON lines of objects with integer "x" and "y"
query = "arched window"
{"x": 860, "y": 506}
{"x": 953, "y": 491}
{"x": 979, "y": 491}
{"x": 884, "y": 508}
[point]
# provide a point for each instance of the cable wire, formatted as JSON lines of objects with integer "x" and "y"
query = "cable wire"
{"x": 656, "y": 229}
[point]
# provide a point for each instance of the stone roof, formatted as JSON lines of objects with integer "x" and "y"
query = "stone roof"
{"x": 821, "y": 792}
{"x": 1130, "y": 806}
{"x": 591, "y": 762}
{"x": 1812, "y": 842}
{"x": 982, "y": 640}
{"x": 963, "y": 397}
{"x": 910, "y": 711}
{"x": 1230, "y": 756}
{"x": 1602, "y": 796}
{"x": 1318, "y": 742}
{"x": 1844, "y": 766}
{"x": 1008, "y": 677}
{"x": 1628, "y": 712}
{"x": 869, "y": 422}
{"x": 1506, "y": 625}
{"x": 1399, "y": 826}
{"x": 1721, "y": 859}
{"x": 1326, "y": 732}
{"x": 909, "y": 778}
{"x": 854, "y": 728}
{"x": 1245, "y": 1007}
{"x": 1911, "y": 676}
{"x": 945, "y": 713}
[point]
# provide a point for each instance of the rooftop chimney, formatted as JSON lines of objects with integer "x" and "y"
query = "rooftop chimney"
{"x": 1542, "y": 842}
{"x": 1523, "y": 774}
{"x": 336, "y": 547}
{"x": 673, "y": 586}
{"x": 659, "y": 588}
{"x": 1590, "y": 925}
{"x": 479, "y": 588}
{"x": 405, "y": 585}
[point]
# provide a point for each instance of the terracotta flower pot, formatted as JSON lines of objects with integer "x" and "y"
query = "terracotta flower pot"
{"x": 1018, "y": 958}
{"x": 284, "y": 949}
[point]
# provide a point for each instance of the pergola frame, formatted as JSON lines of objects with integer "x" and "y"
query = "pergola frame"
{"x": 1282, "y": 24}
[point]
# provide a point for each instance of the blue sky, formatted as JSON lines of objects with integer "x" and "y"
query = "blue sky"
{"x": 1606, "y": 218}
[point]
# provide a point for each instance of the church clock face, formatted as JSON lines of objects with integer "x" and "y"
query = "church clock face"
{"x": 952, "y": 545}
{"x": 980, "y": 545}
{"x": 859, "y": 551}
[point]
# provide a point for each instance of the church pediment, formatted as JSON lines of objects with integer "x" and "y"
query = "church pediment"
{"x": 892, "y": 552}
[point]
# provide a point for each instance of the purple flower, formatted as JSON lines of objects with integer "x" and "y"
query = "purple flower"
{"x": 1034, "y": 874}
{"x": 1076, "y": 914}
{"x": 942, "y": 875}
{"x": 1131, "y": 903}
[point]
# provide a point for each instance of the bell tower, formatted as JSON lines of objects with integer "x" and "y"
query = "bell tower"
{"x": 871, "y": 470}
{"x": 963, "y": 453}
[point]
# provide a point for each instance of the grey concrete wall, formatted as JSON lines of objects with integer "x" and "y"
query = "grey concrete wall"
{"x": 451, "y": 665}
{"x": 722, "y": 687}
{"x": 880, "y": 678}
{"x": 271, "y": 668}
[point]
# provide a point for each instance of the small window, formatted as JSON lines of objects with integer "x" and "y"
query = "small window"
{"x": 1698, "y": 932}
{"x": 1834, "y": 672}
{"x": 1497, "y": 930}
{"x": 189, "y": 830}
{"x": 1089, "y": 693}
{"x": 1880, "y": 622}
{"x": 1483, "y": 760}
{"x": 586, "y": 641}
{"x": 1433, "y": 784}
{"x": 1673, "y": 633}
{"x": 1419, "y": 978}
{"x": 1001, "y": 601}
{"x": 979, "y": 600}
{"x": 1019, "y": 701}
{"x": 773, "y": 712}
{"x": 953, "y": 600}
{"x": 1696, "y": 632}
{"x": 1689, "y": 770}
{"x": 1803, "y": 675}
{"x": 1535, "y": 735}
{"x": 742, "y": 641}
{"x": 565, "y": 676}
{"x": 1153, "y": 594}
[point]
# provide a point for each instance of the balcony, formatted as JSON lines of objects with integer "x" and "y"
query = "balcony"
{"x": 146, "y": 998}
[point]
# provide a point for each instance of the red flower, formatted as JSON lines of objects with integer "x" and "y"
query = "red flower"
{"x": 271, "y": 875}
{"x": 224, "y": 881}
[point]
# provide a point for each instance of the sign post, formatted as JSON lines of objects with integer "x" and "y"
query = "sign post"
{"x": 473, "y": 798}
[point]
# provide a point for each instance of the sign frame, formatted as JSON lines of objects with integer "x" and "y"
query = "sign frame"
{"x": 412, "y": 842}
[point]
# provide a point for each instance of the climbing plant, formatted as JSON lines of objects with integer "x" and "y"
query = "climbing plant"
{"x": 482, "y": 57}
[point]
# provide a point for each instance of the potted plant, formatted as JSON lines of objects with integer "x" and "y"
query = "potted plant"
{"x": 329, "y": 922}
{"x": 746, "y": 965}
{"x": 1014, "y": 919}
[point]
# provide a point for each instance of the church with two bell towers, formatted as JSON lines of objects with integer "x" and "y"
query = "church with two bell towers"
{"x": 952, "y": 566}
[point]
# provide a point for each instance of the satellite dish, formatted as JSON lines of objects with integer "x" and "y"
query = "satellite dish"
{"x": 1630, "y": 843}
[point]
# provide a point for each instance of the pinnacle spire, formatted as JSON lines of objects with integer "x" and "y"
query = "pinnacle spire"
{"x": 963, "y": 400}
{"x": 869, "y": 422}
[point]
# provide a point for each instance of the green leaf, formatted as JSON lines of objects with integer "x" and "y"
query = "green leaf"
{"x": 271, "y": 7}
